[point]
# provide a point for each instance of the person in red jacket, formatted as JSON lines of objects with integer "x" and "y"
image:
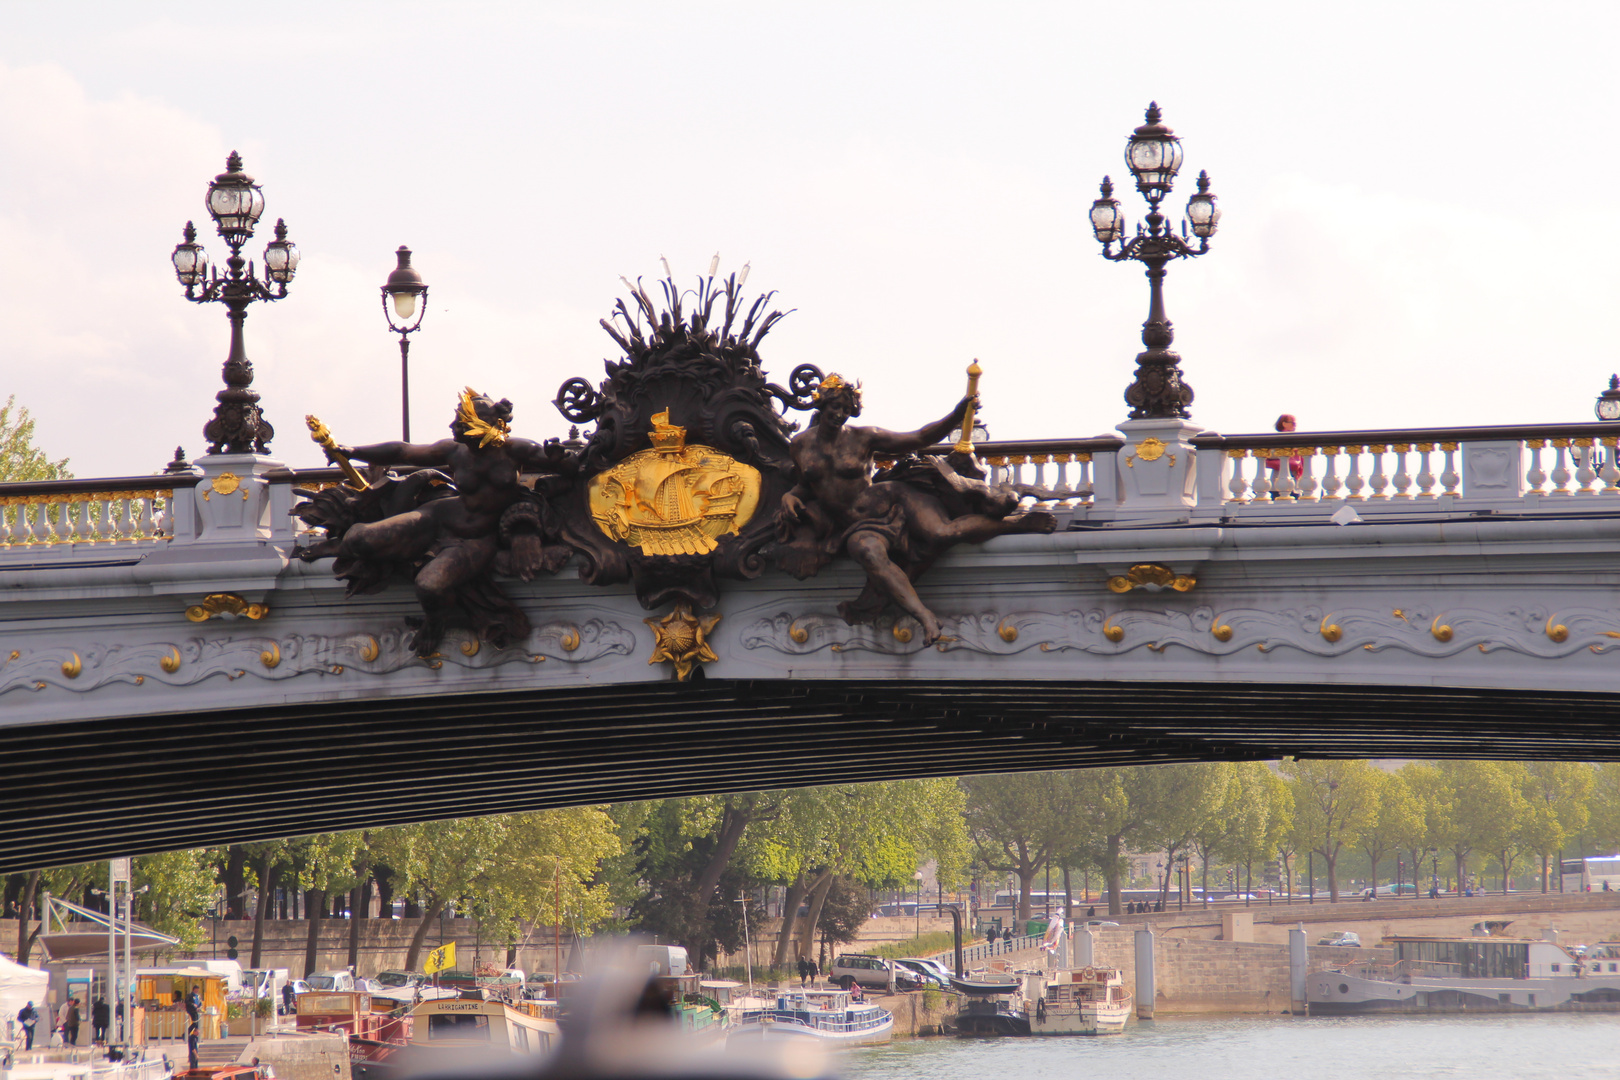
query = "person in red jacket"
{"x": 1296, "y": 464}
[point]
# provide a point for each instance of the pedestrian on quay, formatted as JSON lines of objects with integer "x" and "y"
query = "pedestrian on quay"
{"x": 194, "y": 1005}
{"x": 804, "y": 972}
{"x": 118, "y": 1014}
{"x": 70, "y": 1022}
{"x": 28, "y": 1016}
{"x": 815, "y": 970}
{"x": 990, "y": 938}
{"x": 193, "y": 1037}
{"x": 100, "y": 1014}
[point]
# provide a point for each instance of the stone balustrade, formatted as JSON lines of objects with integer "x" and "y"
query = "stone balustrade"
{"x": 123, "y": 511}
{"x": 1464, "y": 471}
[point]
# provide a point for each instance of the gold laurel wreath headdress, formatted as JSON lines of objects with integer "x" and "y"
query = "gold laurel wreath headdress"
{"x": 836, "y": 382}
{"x": 467, "y": 416}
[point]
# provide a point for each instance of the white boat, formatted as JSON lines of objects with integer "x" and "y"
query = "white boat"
{"x": 834, "y": 1017}
{"x": 1086, "y": 1001}
{"x": 1472, "y": 974}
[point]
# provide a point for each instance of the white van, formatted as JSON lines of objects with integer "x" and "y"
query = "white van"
{"x": 341, "y": 979}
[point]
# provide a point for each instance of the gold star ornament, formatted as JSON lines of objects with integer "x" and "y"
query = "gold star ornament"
{"x": 683, "y": 640}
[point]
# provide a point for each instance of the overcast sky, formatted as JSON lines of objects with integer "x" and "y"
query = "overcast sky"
{"x": 1419, "y": 205}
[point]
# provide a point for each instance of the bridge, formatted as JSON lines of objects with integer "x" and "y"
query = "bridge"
{"x": 171, "y": 674}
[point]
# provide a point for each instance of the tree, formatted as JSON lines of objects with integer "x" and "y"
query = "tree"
{"x": 20, "y": 459}
{"x": 323, "y": 864}
{"x": 508, "y": 864}
{"x": 180, "y": 888}
{"x": 1557, "y": 793}
{"x": 1397, "y": 822}
{"x": 875, "y": 834}
{"x": 1017, "y": 822}
{"x": 1489, "y": 809}
{"x": 1604, "y": 825}
{"x": 1333, "y": 802}
{"x": 1433, "y": 798}
{"x": 1177, "y": 801}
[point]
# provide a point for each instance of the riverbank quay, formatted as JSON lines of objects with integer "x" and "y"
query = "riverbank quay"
{"x": 921, "y": 1012}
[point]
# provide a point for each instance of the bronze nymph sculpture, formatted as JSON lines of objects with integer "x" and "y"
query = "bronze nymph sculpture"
{"x": 450, "y": 525}
{"x": 896, "y": 523}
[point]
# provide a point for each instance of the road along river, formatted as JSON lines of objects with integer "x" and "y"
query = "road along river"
{"x": 1555, "y": 1047}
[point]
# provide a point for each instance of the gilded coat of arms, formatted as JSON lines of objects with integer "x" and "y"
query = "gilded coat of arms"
{"x": 674, "y": 499}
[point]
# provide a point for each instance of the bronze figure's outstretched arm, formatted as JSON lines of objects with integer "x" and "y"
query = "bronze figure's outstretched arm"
{"x": 906, "y": 442}
{"x": 403, "y": 453}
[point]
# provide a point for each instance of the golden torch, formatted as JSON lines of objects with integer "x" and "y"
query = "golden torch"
{"x": 964, "y": 445}
{"x": 320, "y": 436}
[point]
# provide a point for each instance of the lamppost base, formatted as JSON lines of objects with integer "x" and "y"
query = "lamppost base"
{"x": 1157, "y": 466}
{"x": 232, "y": 501}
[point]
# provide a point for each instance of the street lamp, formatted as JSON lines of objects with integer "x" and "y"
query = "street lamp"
{"x": 404, "y": 300}
{"x": 748, "y": 947}
{"x": 235, "y": 203}
{"x": 1153, "y": 155}
{"x": 1608, "y": 402}
{"x": 1434, "y": 883}
{"x": 917, "y": 875}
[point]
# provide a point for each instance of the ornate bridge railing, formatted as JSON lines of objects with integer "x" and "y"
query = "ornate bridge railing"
{"x": 1549, "y": 467}
{"x": 1423, "y": 468}
{"x": 124, "y": 510}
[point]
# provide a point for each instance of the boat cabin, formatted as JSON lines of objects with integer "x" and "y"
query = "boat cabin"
{"x": 481, "y": 1026}
{"x": 1484, "y": 957}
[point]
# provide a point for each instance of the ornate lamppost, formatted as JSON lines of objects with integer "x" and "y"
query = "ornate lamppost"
{"x": 1608, "y": 402}
{"x": 404, "y": 299}
{"x": 235, "y": 203}
{"x": 1153, "y": 155}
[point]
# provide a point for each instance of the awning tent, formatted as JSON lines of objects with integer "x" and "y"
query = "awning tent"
{"x": 18, "y": 986}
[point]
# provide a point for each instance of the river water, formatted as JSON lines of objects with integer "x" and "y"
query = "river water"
{"x": 1566, "y": 1047}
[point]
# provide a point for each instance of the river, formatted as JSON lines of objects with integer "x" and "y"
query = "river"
{"x": 1562, "y": 1046}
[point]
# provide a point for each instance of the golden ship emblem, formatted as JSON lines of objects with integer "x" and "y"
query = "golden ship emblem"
{"x": 674, "y": 499}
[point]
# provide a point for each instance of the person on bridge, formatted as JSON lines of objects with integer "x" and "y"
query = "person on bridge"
{"x": 1296, "y": 464}
{"x": 896, "y": 524}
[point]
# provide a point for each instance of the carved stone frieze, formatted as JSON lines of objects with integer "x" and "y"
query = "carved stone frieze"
{"x": 1538, "y": 632}
{"x": 192, "y": 660}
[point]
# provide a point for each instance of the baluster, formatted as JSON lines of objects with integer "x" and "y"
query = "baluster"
{"x": 1330, "y": 472}
{"x": 142, "y": 509}
{"x": 1040, "y": 461}
{"x": 1061, "y": 483}
{"x": 1611, "y": 475}
{"x": 1017, "y": 463}
{"x": 1084, "y": 488}
{"x": 1261, "y": 484}
{"x": 1378, "y": 481}
{"x": 126, "y": 518}
{"x": 1425, "y": 478}
{"x": 1560, "y": 473}
{"x": 1307, "y": 477}
{"x": 1282, "y": 485}
{"x": 998, "y": 469}
{"x": 1237, "y": 485}
{"x": 95, "y": 515}
{"x": 1403, "y": 479}
{"x": 66, "y": 521}
{"x": 8, "y": 514}
{"x": 1535, "y": 477}
{"x": 1585, "y": 474}
{"x": 1449, "y": 478}
{"x": 43, "y": 533}
{"x": 1353, "y": 483}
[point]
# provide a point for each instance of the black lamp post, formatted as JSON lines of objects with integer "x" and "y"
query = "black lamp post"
{"x": 1153, "y": 155}
{"x": 235, "y": 203}
{"x": 404, "y": 299}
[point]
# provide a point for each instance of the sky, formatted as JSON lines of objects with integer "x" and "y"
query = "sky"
{"x": 1417, "y": 224}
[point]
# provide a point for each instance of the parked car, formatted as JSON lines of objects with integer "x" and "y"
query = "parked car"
{"x": 867, "y": 972}
{"x": 341, "y": 979}
{"x": 1343, "y": 939}
{"x": 927, "y": 977}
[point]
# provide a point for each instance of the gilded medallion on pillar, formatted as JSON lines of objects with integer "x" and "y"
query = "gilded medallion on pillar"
{"x": 674, "y": 499}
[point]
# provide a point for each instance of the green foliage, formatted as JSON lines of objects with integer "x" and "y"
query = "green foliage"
{"x": 181, "y": 889}
{"x": 1334, "y": 802}
{"x": 20, "y": 459}
{"x": 935, "y": 941}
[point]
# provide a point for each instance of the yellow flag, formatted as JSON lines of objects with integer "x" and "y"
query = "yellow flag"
{"x": 440, "y": 959}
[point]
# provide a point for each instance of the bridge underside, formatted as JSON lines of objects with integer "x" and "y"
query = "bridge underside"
{"x": 82, "y": 790}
